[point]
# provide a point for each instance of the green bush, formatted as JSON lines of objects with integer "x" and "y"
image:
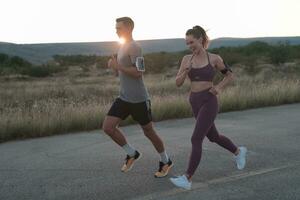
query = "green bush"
{"x": 160, "y": 62}
{"x": 4, "y": 59}
{"x": 79, "y": 60}
{"x": 36, "y": 71}
{"x": 258, "y": 51}
{"x": 279, "y": 54}
{"x": 41, "y": 71}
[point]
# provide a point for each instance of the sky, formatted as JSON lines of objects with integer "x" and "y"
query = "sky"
{"x": 59, "y": 21}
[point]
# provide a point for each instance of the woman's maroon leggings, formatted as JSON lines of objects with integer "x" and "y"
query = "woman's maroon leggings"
{"x": 205, "y": 108}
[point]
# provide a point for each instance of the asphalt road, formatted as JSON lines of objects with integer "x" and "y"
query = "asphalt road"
{"x": 87, "y": 165}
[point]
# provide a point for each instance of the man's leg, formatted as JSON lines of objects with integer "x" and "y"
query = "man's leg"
{"x": 165, "y": 164}
{"x": 116, "y": 114}
{"x": 110, "y": 125}
{"x": 151, "y": 134}
{"x": 110, "y": 128}
{"x": 141, "y": 112}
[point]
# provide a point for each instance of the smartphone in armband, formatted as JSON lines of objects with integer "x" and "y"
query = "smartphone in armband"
{"x": 140, "y": 64}
{"x": 226, "y": 69}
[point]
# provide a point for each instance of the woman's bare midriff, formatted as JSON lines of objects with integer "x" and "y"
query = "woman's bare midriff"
{"x": 198, "y": 86}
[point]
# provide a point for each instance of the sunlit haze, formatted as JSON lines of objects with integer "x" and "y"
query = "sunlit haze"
{"x": 49, "y": 21}
{"x": 121, "y": 40}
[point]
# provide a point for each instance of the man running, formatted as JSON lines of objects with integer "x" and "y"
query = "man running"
{"x": 133, "y": 99}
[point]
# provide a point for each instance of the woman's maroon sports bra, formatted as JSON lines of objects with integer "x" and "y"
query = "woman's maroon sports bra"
{"x": 205, "y": 73}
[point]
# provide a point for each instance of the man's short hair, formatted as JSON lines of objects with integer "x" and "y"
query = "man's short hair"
{"x": 127, "y": 21}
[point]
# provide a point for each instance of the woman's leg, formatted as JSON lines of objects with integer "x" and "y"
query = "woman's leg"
{"x": 221, "y": 140}
{"x": 205, "y": 119}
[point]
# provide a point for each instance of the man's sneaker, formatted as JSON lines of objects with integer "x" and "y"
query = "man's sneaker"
{"x": 182, "y": 182}
{"x": 163, "y": 169}
{"x": 240, "y": 159}
{"x": 129, "y": 161}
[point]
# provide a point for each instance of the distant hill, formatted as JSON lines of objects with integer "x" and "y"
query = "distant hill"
{"x": 40, "y": 53}
{"x": 244, "y": 41}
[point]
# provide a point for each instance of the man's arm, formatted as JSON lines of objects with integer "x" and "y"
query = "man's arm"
{"x": 129, "y": 70}
{"x": 109, "y": 64}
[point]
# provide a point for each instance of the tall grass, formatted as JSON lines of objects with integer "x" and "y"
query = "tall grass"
{"x": 275, "y": 93}
{"x": 60, "y": 105}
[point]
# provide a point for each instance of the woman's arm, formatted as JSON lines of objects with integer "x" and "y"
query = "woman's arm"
{"x": 183, "y": 71}
{"x": 228, "y": 75}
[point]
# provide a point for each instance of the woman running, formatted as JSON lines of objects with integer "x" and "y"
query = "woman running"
{"x": 201, "y": 68}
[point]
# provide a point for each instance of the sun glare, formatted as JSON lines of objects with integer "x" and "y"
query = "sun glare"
{"x": 122, "y": 41}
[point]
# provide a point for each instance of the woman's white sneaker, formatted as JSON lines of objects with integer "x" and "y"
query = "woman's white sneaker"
{"x": 240, "y": 159}
{"x": 182, "y": 182}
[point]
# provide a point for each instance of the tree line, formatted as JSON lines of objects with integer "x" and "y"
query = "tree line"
{"x": 159, "y": 62}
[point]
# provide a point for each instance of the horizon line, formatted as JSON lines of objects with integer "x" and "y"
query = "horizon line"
{"x": 116, "y": 41}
